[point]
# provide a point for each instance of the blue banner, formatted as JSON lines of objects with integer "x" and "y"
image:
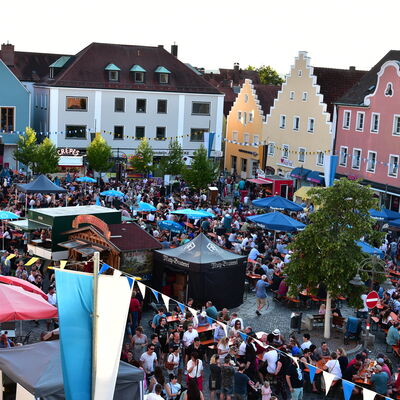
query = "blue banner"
{"x": 75, "y": 307}
{"x": 330, "y": 165}
{"x": 155, "y": 294}
{"x": 347, "y": 389}
{"x": 243, "y": 336}
{"x": 312, "y": 372}
{"x": 210, "y": 320}
{"x": 211, "y": 136}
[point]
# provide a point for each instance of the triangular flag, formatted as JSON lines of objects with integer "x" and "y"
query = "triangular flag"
{"x": 130, "y": 280}
{"x": 368, "y": 394}
{"x": 193, "y": 311}
{"x": 347, "y": 389}
{"x": 104, "y": 268}
{"x": 10, "y": 256}
{"x": 243, "y": 336}
{"x": 210, "y": 320}
{"x": 328, "y": 378}
{"x": 117, "y": 273}
{"x": 312, "y": 369}
{"x": 63, "y": 263}
{"x": 166, "y": 300}
{"x": 32, "y": 260}
{"x": 224, "y": 326}
{"x": 142, "y": 288}
{"x": 182, "y": 307}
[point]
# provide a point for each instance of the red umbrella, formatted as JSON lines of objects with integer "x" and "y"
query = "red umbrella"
{"x": 18, "y": 305}
{"x": 12, "y": 280}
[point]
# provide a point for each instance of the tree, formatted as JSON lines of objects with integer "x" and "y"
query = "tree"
{"x": 326, "y": 252}
{"x": 46, "y": 158}
{"x": 142, "y": 161}
{"x": 268, "y": 76}
{"x": 99, "y": 155}
{"x": 173, "y": 163}
{"x": 26, "y": 148}
{"x": 202, "y": 171}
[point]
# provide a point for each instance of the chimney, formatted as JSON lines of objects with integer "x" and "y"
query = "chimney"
{"x": 174, "y": 50}
{"x": 236, "y": 66}
{"x": 236, "y": 76}
{"x": 352, "y": 68}
{"x": 160, "y": 46}
{"x": 7, "y": 54}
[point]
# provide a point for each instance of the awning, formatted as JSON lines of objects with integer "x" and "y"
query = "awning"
{"x": 303, "y": 192}
{"x": 72, "y": 244}
{"x": 300, "y": 173}
{"x": 89, "y": 250}
{"x": 315, "y": 177}
{"x": 27, "y": 225}
{"x": 70, "y": 161}
{"x": 260, "y": 181}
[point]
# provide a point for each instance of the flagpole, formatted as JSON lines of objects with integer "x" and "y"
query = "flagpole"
{"x": 96, "y": 262}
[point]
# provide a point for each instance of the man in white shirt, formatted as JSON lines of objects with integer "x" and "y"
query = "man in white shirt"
{"x": 189, "y": 336}
{"x": 271, "y": 357}
{"x": 157, "y": 393}
{"x": 254, "y": 253}
{"x": 148, "y": 360}
{"x": 306, "y": 341}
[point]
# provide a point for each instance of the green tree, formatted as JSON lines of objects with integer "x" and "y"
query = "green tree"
{"x": 142, "y": 161}
{"x": 46, "y": 158}
{"x": 268, "y": 75}
{"x": 26, "y": 148}
{"x": 99, "y": 155}
{"x": 173, "y": 163}
{"x": 202, "y": 171}
{"x": 326, "y": 252}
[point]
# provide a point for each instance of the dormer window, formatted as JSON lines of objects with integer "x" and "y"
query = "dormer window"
{"x": 138, "y": 73}
{"x": 163, "y": 75}
{"x": 113, "y": 72}
{"x": 57, "y": 66}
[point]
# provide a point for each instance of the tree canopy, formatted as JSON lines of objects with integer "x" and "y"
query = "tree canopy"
{"x": 99, "y": 155}
{"x": 47, "y": 158}
{"x": 268, "y": 75}
{"x": 173, "y": 163}
{"x": 26, "y": 148}
{"x": 142, "y": 161}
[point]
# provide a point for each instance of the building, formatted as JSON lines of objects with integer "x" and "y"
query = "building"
{"x": 298, "y": 129}
{"x": 368, "y": 130}
{"x": 244, "y": 131}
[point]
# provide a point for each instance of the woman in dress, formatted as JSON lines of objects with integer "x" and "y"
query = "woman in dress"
{"x": 139, "y": 343}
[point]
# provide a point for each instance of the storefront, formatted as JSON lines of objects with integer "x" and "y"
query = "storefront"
{"x": 71, "y": 160}
{"x": 275, "y": 185}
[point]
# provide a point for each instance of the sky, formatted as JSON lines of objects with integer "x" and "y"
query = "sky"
{"x": 213, "y": 33}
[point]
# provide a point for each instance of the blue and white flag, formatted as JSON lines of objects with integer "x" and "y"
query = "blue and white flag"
{"x": 330, "y": 165}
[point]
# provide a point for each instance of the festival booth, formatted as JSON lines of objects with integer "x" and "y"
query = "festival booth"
{"x": 202, "y": 270}
{"x": 36, "y": 369}
{"x": 275, "y": 185}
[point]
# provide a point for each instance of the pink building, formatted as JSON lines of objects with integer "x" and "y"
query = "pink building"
{"x": 368, "y": 130}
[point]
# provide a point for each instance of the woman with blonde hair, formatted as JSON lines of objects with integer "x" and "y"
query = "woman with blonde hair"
{"x": 223, "y": 348}
{"x": 342, "y": 358}
{"x": 214, "y": 382}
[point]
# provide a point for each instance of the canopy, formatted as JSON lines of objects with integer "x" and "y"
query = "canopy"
{"x": 145, "y": 207}
{"x": 27, "y": 225}
{"x": 300, "y": 173}
{"x": 303, "y": 192}
{"x": 277, "y": 203}
{"x": 385, "y": 214}
{"x": 41, "y": 184}
{"x": 394, "y": 222}
{"x": 19, "y": 305}
{"x": 112, "y": 193}
{"x": 86, "y": 179}
{"x": 8, "y": 215}
{"x": 213, "y": 273}
{"x": 37, "y": 367}
{"x": 315, "y": 177}
{"x": 171, "y": 226}
{"x": 194, "y": 214}
{"x": 368, "y": 249}
{"x": 29, "y": 287}
{"x": 277, "y": 221}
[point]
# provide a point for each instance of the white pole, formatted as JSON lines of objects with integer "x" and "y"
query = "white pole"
{"x": 327, "y": 324}
{"x": 96, "y": 262}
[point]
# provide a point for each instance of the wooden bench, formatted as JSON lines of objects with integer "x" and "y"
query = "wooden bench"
{"x": 318, "y": 319}
{"x": 338, "y": 322}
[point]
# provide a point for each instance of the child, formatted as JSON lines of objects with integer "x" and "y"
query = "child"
{"x": 266, "y": 391}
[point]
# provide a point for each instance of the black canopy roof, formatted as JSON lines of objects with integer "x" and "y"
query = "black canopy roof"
{"x": 41, "y": 184}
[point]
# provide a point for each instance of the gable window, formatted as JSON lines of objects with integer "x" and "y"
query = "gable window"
{"x": 310, "y": 125}
{"x": 139, "y": 132}
{"x": 360, "y": 121}
{"x": 7, "y": 119}
{"x": 138, "y": 77}
{"x": 296, "y": 123}
{"x": 197, "y": 134}
{"x": 282, "y": 122}
{"x": 389, "y": 90}
{"x": 371, "y": 161}
{"x": 119, "y": 104}
{"x": 374, "y": 123}
{"x": 246, "y": 98}
{"x": 393, "y": 166}
{"x": 76, "y": 103}
{"x": 164, "y": 78}
{"x": 75, "y": 131}
{"x": 141, "y": 105}
{"x": 271, "y": 149}
{"x": 235, "y": 136}
{"x": 162, "y": 106}
{"x": 113, "y": 72}
{"x": 160, "y": 132}
{"x": 356, "y": 159}
{"x": 305, "y": 96}
{"x": 299, "y": 72}
{"x": 251, "y": 117}
{"x": 256, "y": 140}
{"x": 200, "y": 108}
{"x": 320, "y": 158}
{"x": 285, "y": 151}
{"x": 302, "y": 154}
{"x": 163, "y": 74}
{"x": 346, "y": 119}
{"x": 118, "y": 132}
{"x": 396, "y": 125}
{"x": 239, "y": 115}
{"x": 344, "y": 151}
{"x": 244, "y": 120}
{"x": 291, "y": 95}
{"x": 244, "y": 164}
{"x": 246, "y": 138}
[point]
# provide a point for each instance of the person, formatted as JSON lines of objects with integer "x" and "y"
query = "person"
{"x": 195, "y": 370}
{"x": 379, "y": 380}
{"x": 148, "y": 361}
{"x": 139, "y": 343}
{"x": 198, "y": 347}
{"x": 323, "y": 351}
{"x": 189, "y": 336}
{"x": 157, "y": 393}
{"x": 261, "y": 293}
{"x": 162, "y": 333}
{"x": 294, "y": 380}
{"x": 278, "y": 339}
{"x": 393, "y": 336}
{"x": 173, "y": 360}
{"x": 227, "y": 380}
{"x": 266, "y": 391}
{"x": 306, "y": 341}
{"x": 157, "y": 378}
{"x": 223, "y": 348}
{"x": 211, "y": 310}
{"x": 270, "y": 358}
{"x": 342, "y": 358}
{"x": 156, "y": 318}
{"x": 352, "y": 371}
{"x": 134, "y": 310}
{"x": 193, "y": 392}
{"x": 172, "y": 388}
{"x": 240, "y": 382}
{"x": 333, "y": 367}
{"x": 214, "y": 382}
{"x": 5, "y": 342}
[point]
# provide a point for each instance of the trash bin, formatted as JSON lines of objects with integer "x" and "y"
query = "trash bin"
{"x": 295, "y": 321}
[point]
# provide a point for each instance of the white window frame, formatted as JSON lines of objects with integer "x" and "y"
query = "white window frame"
{"x": 304, "y": 155}
{"x": 373, "y": 115}
{"x": 246, "y": 98}
{"x": 359, "y": 114}
{"x": 296, "y": 118}
{"x": 251, "y": 116}
{"x": 246, "y": 137}
{"x": 344, "y": 125}
{"x": 343, "y": 164}
{"x": 389, "y": 168}
{"x": 282, "y": 121}
{"x": 291, "y": 95}
{"x": 304, "y": 96}
{"x": 317, "y": 162}
{"x": 235, "y": 136}
{"x": 352, "y": 159}
{"x": 309, "y": 130}
{"x": 285, "y": 146}
{"x": 239, "y": 116}
{"x": 372, "y": 171}
{"x": 271, "y": 149}
{"x": 244, "y": 118}
{"x": 256, "y": 140}
{"x": 396, "y": 121}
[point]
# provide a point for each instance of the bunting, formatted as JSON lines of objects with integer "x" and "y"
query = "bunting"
{"x": 11, "y": 256}
{"x": 347, "y": 389}
{"x": 104, "y": 268}
{"x": 166, "y": 300}
{"x": 63, "y": 263}
{"x": 155, "y": 293}
{"x": 328, "y": 378}
{"x": 32, "y": 261}
{"x": 142, "y": 289}
{"x": 312, "y": 370}
{"x": 368, "y": 394}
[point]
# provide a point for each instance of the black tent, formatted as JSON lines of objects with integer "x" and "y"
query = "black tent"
{"x": 212, "y": 273}
{"x": 41, "y": 184}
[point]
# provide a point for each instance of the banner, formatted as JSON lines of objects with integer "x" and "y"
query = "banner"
{"x": 75, "y": 307}
{"x": 330, "y": 165}
{"x": 328, "y": 378}
{"x": 347, "y": 389}
{"x": 165, "y": 300}
{"x": 208, "y": 142}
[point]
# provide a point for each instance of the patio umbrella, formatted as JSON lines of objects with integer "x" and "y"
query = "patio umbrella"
{"x": 368, "y": 249}
{"x": 384, "y": 214}
{"x": 19, "y": 305}
{"x": 394, "y": 222}
{"x": 7, "y": 215}
{"x": 12, "y": 280}
{"x": 145, "y": 207}
{"x": 277, "y": 221}
{"x": 112, "y": 193}
{"x": 194, "y": 214}
{"x": 277, "y": 203}
{"x": 171, "y": 226}
{"x": 86, "y": 179}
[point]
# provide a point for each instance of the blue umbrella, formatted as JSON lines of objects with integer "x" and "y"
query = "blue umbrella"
{"x": 171, "y": 226}
{"x": 112, "y": 193}
{"x": 368, "y": 249}
{"x": 98, "y": 201}
{"x": 277, "y": 203}
{"x": 86, "y": 179}
{"x": 385, "y": 214}
{"x": 194, "y": 214}
{"x": 394, "y": 222}
{"x": 277, "y": 221}
{"x": 145, "y": 207}
{"x": 8, "y": 215}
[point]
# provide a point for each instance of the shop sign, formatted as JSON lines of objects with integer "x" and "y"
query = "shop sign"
{"x": 68, "y": 152}
{"x": 285, "y": 161}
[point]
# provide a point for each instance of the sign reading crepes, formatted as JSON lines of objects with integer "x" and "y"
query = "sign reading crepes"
{"x": 92, "y": 220}
{"x": 68, "y": 152}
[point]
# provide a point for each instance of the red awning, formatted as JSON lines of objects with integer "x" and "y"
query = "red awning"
{"x": 260, "y": 181}
{"x": 12, "y": 280}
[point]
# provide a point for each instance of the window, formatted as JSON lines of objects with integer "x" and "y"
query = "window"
{"x": 160, "y": 132}
{"x": 271, "y": 149}
{"x": 251, "y": 118}
{"x": 374, "y": 123}
{"x": 360, "y": 121}
{"x": 256, "y": 140}
{"x": 138, "y": 77}
{"x": 299, "y": 72}
{"x": 113, "y": 76}
{"x": 141, "y": 105}
{"x": 344, "y": 152}
{"x": 246, "y": 138}
{"x": 320, "y": 158}
{"x": 244, "y": 120}
{"x": 305, "y": 96}
{"x": 235, "y": 136}
{"x": 285, "y": 151}
{"x": 197, "y": 134}
{"x": 302, "y": 154}
{"x": 346, "y": 119}
{"x": 76, "y": 103}
{"x": 75, "y": 131}
{"x": 163, "y": 78}
{"x": 119, "y": 105}
{"x": 234, "y": 162}
{"x": 393, "y": 166}
{"x": 246, "y": 98}
{"x": 244, "y": 164}
{"x": 389, "y": 90}
{"x": 282, "y": 121}
{"x": 371, "y": 161}
{"x": 396, "y": 125}
{"x": 296, "y": 123}
{"x": 239, "y": 115}
{"x": 118, "y": 132}
{"x": 291, "y": 95}
{"x": 310, "y": 125}
{"x": 356, "y": 161}
{"x": 139, "y": 132}
{"x": 7, "y": 119}
{"x": 162, "y": 106}
{"x": 201, "y": 108}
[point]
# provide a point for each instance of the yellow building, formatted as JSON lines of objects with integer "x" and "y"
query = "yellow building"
{"x": 244, "y": 129}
